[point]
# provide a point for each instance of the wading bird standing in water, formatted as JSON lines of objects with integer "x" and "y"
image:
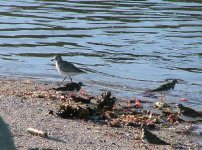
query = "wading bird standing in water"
{"x": 165, "y": 88}
{"x": 66, "y": 68}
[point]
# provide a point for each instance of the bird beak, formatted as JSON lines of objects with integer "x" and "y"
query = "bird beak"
{"x": 52, "y": 59}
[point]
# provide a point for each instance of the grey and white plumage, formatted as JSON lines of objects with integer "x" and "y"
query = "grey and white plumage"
{"x": 188, "y": 114}
{"x": 66, "y": 68}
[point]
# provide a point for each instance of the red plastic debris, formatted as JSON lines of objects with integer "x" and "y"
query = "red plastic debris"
{"x": 138, "y": 104}
{"x": 183, "y": 99}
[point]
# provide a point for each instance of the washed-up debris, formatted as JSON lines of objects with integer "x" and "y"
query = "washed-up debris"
{"x": 103, "y": 109}
{"x": 137, "y": 120}
{"x": 28, "y": 82}
{"x": 73, "y": 111}
{"x": 77, "y": 110}
{"x": 167, "y": 109}
{"x": 80, "y": 99}
{"x": 114, "y": 115}
{"x": 108, "y": 115}
{"x": 183, "y": 99}
{"x": 173, "y": 117}
{"x": 138, "y": 104}
{"x": 115, "y": 123}
{"x": 39, "y": 94}
{"x": 134, "y": 104}
{"x": 106, "y": 103}
{"x": 161, "y": 105}
{"x": 51, "y": 112}
{"x": 37, "y": 132}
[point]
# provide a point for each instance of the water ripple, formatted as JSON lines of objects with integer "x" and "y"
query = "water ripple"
{"x": 125, "y": 44}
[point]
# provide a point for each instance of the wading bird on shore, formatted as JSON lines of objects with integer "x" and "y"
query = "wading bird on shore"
{"x": 148, "y": 137}
{"x": 66, "y": 68}
{"x": 188, "y": 114}
{"x": 165, "y": 88}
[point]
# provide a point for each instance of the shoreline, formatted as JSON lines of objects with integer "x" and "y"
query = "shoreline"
{"x": 23, "y": 107}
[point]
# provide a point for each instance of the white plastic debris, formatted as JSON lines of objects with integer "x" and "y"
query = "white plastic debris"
{"x": 37, "y": 132}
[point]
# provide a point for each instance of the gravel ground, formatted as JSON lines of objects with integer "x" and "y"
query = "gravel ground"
{"x": 20, "y": 111}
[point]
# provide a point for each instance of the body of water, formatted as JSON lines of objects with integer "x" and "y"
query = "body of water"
{"x": 127, "y": 46}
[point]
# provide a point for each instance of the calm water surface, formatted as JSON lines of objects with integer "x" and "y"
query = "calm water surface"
{"x": 126, "y": 46}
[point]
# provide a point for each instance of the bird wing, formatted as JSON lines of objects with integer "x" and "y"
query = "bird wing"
{"x": 163, "y": 87}
{"x": 190, "y": 112}
{"x": 69, "y": 67}
{"x": 153, "y": 139}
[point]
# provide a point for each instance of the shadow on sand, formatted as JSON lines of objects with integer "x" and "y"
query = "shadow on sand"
{"x": 6, "y": 139}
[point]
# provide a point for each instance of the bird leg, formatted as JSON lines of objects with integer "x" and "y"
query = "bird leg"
{"x": 81, "y": 92}
{"x": 70, "y": 78}
{"x": 62, "y": 81}
{"x": 164, "y": 97}
{"x": 161, "y": 99}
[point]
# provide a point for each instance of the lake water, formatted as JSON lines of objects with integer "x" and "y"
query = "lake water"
{"x": 127, "y": 46}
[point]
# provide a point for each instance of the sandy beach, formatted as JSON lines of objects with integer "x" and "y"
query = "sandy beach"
{"x": 23, "y": 105}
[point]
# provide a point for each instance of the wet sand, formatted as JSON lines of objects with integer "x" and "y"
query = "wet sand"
{"x": 21, "y": 107}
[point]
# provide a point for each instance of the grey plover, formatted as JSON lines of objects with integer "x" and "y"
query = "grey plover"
{"x": 165, "y": 88}
{"x": 188, "y": 114}
{"x": 66, "y": 68}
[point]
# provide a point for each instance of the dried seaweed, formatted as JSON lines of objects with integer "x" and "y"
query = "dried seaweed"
{"x": 106, "y": 103}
